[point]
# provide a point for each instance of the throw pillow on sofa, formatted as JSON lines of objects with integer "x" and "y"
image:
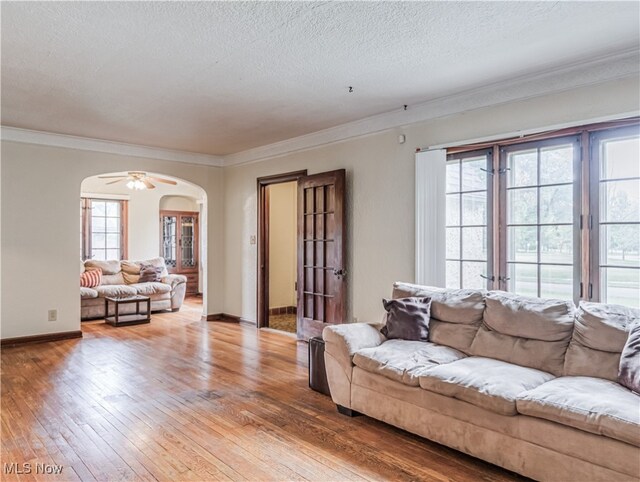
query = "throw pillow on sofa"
{"x": 91, "y": 278}
{"x": 407, "y": 318}
{"x": 629, "y": 371}
{"x": 150, "y": 274}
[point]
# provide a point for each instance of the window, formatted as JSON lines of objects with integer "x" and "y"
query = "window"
{"x": 615, "y": 216}
{"x": 468, "y": 215}
{"x": 539, "y": 212}
{"x": 554, "y": 215}
{"x": 104, "y": 229}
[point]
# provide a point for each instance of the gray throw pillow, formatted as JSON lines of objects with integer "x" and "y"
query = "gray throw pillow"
{"x": 629, "y": 370}
{"x": 407, "y": 318}
{"x": 149, "y": 273}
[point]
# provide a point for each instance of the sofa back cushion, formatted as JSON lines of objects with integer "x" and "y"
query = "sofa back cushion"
{"x": 530, "y": 332}
{"x": 108, "y": 267}
{"x": 599, "y": 335}
{"x": 156, "y": 263}
{"x": 455, "y": 314}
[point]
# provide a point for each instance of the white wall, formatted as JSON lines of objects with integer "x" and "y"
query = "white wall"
{"x": 179, "y": 203}
{"x": 40, "y": 222}
{"x": 380, "y": 190}
{"x": 282, "y": 244}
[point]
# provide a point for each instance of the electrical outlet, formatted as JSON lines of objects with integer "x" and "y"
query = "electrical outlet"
{"x": 53, "y": 315}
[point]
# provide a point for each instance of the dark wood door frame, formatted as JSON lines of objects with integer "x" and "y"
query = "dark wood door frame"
{"x": 262, "y": 302}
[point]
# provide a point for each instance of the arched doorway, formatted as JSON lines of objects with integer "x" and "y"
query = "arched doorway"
{"x": 122, "y": 220}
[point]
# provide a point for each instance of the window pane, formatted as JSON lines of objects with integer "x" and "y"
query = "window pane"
{"x": 556, "y": 204}
{"x": 97, "y": 225}
{"x": 523, "y": 244}
{"x": 620, "y": 201}
{"x": 98, "y": 254}
{"x": 474, "y": 243}
{"x": 556, "y": 164}
{"x": 556, "y": 244}
{"x": 471, "y": 275}
{"x": 453, "y": 210}
{"x": 453, "y": 176}
{"x": 113, "y": 241}
{"x": 620, "y": 244}
{"x": 556, "y": 282}
{"x": 523, "y": 279}
{"x": 97, "y": 241}
{"x": 113, "y": 254}
{"x": 453, "y": 274}
{"x": 523, "y": 168}
{"x": 473, "y": 177}
{"x": 113, "y": 209}
{"x": 522, "y": 206}
{"x": 620, "y": 286}
{"x": 98, "y": 208}
{"x": 113, "y": 225}
{"x": 453, "y": 243}
{"x": 620, "y": 158}
{"x": 474, "y": 208}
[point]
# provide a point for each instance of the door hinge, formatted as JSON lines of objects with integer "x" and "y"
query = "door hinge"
{"x": 581, "y": 290}
{"x": 590, "y": 291}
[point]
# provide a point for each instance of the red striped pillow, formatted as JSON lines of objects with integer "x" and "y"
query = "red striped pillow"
{"x": 91, "y": 278}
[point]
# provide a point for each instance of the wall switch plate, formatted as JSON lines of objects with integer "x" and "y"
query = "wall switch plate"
{"x": 252, "y": 239}
{"x": 53, "y": 315}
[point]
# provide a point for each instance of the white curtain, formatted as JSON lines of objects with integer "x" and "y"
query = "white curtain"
{"x": 430, "y": 217}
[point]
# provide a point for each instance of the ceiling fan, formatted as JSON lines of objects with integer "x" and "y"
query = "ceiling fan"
{"x": 138, "y": 180}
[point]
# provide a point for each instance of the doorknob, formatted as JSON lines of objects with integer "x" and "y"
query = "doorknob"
{"x": 339, "y": 272}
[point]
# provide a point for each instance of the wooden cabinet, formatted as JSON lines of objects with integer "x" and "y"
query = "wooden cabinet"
{"x": 179, "y": 245}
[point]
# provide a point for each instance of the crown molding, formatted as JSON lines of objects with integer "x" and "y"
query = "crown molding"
{"x": 580, "y": 74}
{"x": 15, "y": 134}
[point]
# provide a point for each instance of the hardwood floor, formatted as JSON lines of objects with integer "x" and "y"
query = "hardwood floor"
{"x": 182, "y": 399}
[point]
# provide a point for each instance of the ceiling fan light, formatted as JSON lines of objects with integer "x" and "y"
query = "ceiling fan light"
{"x": 139, "y": 185}
{"x": 130, "y": 185}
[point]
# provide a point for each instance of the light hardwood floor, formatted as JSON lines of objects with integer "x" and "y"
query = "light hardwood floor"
{"x": 181, "y": 399}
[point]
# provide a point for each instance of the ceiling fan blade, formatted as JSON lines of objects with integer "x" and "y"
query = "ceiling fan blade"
{"x": 148, "y": 184}
{"x": 109, "y": 177}
{"x": 117, "y": 180}
{"x": 166, "y": 181}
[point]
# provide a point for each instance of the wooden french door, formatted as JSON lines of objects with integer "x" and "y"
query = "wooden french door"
{"x": 321, "y": 252}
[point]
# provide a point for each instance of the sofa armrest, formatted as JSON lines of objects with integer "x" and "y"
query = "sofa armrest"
{"x": 342, "y": 341}
{"x": 174, "y": 280}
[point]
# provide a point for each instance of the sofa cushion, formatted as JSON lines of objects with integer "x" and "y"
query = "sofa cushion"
{"x": 600, "y": 332}
{"x": 629, "y": 371}
{"x": 113, "y": 279}
{"x": 107, "y": 267}
{"x": 455, "y": 314}
{"x": 115, "y": 291}
{"x": 403, "y": 360}
{"x": 156, "y": 263}
{"x": 531, "y": 332}
{"x": 150, "y": 274}
{"x": 152, "y": 288}
{"x": 490, "y": 384}
{"x": 591, "y": 404}
{"x": 88, "y": 293}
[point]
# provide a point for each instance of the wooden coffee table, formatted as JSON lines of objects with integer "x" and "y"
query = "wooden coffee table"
{"x": 137, "y": 318}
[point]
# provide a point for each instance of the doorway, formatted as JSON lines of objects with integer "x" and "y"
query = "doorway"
{"x": 320, "y": 252}
{"x": 277, "y": 251}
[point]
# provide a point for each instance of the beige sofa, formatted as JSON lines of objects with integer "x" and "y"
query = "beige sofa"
{"x": 120, "y": 279}
{"x": 525, "y": 383}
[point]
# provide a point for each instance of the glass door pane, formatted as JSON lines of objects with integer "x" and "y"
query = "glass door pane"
{"x": 169, "y": 240}
{"x": 187, "y": 242}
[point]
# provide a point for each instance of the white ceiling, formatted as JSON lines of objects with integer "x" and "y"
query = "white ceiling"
{"x": 223, "y": 77}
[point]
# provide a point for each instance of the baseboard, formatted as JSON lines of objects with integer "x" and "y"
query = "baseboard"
{"x": 226, "y": 318}
{"x": 284, "y": 310}
{"x": 46, "y": 337}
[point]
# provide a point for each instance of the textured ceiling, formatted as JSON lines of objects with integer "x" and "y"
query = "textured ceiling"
{"x": 223, "y": 77}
